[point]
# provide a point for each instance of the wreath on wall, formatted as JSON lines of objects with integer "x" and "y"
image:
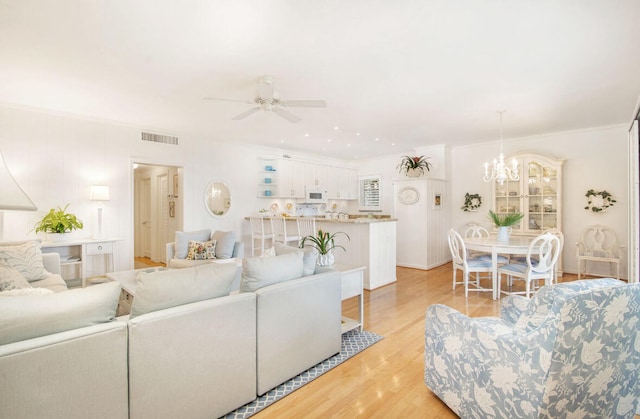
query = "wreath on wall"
{"x": 598, "y": 201}
{"x": 471, "y": 202}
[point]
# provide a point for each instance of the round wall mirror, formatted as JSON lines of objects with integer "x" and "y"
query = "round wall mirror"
{"x": 217, "y": 198}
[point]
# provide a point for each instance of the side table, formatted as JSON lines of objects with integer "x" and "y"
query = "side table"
{"x": 352, "y": 286}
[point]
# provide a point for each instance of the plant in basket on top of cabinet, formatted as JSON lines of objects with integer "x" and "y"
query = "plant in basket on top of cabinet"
{"x": 414, "y": 166}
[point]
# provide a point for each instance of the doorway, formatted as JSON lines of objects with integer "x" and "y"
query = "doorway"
{"x": 157, "y": 211}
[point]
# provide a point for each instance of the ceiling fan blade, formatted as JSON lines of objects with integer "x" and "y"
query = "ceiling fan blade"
{"x": 304, "y": 103}
{"x": 221, "y": 99}
{"x": 287, "y": 115}
{"x": 246, "y": 113}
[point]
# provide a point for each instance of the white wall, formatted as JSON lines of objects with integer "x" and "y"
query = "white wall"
{"x": 594, "y": 159}
{"x": 56, "y": 158}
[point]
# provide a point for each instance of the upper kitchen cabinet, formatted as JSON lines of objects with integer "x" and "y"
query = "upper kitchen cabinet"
{"x": 538, "y": 194}
{"x": 292, "y": 178}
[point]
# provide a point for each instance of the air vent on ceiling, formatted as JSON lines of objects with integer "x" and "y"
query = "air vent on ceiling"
{"x": 159, "y": 138}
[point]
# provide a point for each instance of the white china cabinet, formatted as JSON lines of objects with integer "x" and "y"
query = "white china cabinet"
{"x": 538, "y": 194}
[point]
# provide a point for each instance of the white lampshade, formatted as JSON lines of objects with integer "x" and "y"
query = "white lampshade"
{"x": 99, "y": 193}
{"x": 12, "y": 197}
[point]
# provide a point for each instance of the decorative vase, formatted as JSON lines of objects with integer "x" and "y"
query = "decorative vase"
{"x": 58, "y": 237}
{"x": 414, "y": 172}
{"x": 504, "y": 233}
{"x": 325, "y": 260}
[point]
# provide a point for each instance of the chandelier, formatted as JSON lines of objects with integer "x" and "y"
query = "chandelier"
{"x": 501, "y": 172}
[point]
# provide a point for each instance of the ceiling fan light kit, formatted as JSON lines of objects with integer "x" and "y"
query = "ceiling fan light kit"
{"x": 268, "y": 100}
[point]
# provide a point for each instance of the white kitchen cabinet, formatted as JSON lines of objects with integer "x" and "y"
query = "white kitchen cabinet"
{"x": 537, "y": 194}
{"x": 292, "y": 178}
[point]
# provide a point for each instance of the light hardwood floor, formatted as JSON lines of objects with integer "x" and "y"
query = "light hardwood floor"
{"x": 386, "y": 380}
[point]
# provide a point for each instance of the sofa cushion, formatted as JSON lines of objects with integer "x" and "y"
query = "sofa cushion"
{"x": 11, "y": 279}
{"x": 542, "y": 301}
{"x": 259, "y": 272}
{"x": 53, "y": 282}
{"x": 201, "y": 250}
{"x": 309, "y": 257}
{"x": 173, "y": 287}
{"x": 26, "y": 317}
{"x": 182, "y": 241}
{"x": 225, "y": 242}
{"x": 26, "y": 258}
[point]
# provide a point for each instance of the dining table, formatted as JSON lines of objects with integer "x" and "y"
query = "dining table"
{"x": 516, "y": 245}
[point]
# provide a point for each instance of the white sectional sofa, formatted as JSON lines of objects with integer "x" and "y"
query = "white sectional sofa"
{"x": 192, "y": 347}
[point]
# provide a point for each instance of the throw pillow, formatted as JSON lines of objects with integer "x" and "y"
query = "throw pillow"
{"x": 26, "y": 258}
{"x": 201, "y": 250}
{"x": 10, "y": 279}
{"x": 259, "y": 272}
{"x": 225, "y": 242}
{"x": 309, "y": 258}
{"x": 174, "y": 287}
{"x": 27, "y": 317}
{"x": 182, "y": 241}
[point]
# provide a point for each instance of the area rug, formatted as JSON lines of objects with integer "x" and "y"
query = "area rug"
{"x": 353, "y": 342}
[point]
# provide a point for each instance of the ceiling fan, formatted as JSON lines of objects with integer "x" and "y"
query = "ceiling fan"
{"x": 268, "y": 100}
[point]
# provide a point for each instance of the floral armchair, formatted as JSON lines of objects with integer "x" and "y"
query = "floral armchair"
{"x": 573, "y": 350}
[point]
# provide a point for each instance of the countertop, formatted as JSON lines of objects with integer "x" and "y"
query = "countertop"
{"x": 357, "y": 220}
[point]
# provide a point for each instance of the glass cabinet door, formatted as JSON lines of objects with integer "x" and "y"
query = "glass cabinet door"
{"x": 537, "y": 194}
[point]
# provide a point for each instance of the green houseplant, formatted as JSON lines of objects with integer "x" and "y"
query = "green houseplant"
{"x": 58, "y": 221}
{"x": 324, "y": 243}
{"x": 504, "y": 223}
{"x": 414, "y": 166}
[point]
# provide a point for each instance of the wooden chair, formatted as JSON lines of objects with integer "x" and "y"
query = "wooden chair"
{"x": 540, "y": 264}
{"x": 279, "y": 230}
{"x": 598, "y": 244}
{"x": 258, "y": 233}
{"x": 467, "y": 265}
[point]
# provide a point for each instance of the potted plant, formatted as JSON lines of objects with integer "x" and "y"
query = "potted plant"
{"x": 504, "y": 222}
{"x": 324, "y": 243}
{"x": 57, "y": 222}
{"x": 414, "y": 166}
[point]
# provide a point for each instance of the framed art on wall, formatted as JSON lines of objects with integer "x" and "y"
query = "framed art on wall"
{"x": 437, "y": 201}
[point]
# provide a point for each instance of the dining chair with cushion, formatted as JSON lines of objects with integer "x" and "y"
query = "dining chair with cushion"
{"x": 473, "y": 230}
{"x": 555, "y": 232}
{"x": 568, "y": 352}
{"x": 598, "y": 244}
{"x": 467, "y": 265}
{"x": 540, "y": 264}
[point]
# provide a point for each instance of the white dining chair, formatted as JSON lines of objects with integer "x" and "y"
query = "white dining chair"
{"x": 473, "y": 230}
{"x": 467, "y": 265}
{"x": 306, "y": 227}
{"x": 598, "y": 244}
{"x": 555, "y": 232}
{"x": 541, "y": 260}
{"x": 259, "y": 234}
{"x": 280, "y": 234}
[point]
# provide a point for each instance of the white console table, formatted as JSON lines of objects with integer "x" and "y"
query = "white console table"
{"x": 352, "y": 286}
{"x": 75, "y": 253}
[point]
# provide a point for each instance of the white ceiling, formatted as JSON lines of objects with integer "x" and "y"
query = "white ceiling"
{"x": 408, "y": 73}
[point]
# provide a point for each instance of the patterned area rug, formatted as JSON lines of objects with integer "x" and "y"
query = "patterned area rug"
{"x": 353, "y": 342}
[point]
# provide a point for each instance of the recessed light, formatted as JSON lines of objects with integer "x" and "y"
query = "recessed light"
{"x": 306, "y": 134}
{"x": 393, "y": 143}
{"x": 348, "y": 145}
{"x": 357, "y": 134}
{"x": 377, "y": 139}
{"x": 336, "y": 128}
{"x": 282, "y": 141}
{"x": 329, "y": 140}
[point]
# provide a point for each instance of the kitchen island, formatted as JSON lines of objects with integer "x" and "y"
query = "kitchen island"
{"x": 372, "y": 244}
